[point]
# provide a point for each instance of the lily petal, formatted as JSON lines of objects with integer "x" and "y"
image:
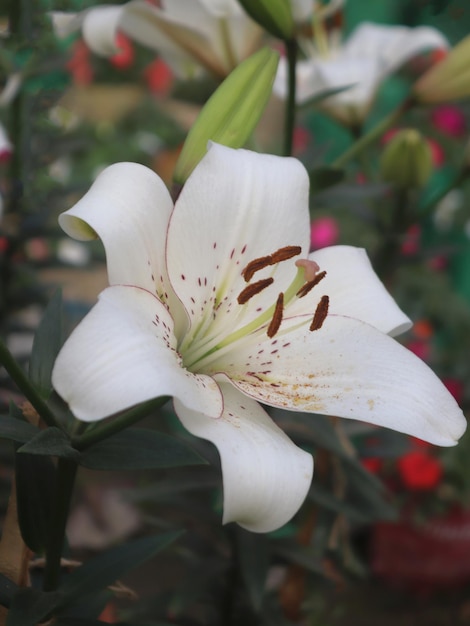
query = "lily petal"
{"x": 123, "y": 353}
{"x": 99, "y": 29}
{"x": 128, "y": 207}
{"x": 265, "y": 475}
{"x": 354, "y": 290}
{"x": 350, "y": 369}
{"x": 393, "y": 45}
{"x": 170, "y": 31}
{"x": 225, "y": 221}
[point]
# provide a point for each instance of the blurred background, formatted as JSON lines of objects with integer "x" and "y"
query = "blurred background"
{"x": 384, "y": 536}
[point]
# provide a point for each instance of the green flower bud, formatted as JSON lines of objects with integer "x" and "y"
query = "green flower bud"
{"x": 406, "y": 161}
{"x": 275, "y": 16}
{"x": 447, "y": 80}
{"x": 232, "y": 112}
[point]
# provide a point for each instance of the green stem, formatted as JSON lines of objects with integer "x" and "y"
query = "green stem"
{"x": 385, "y": 260}
{"x": 360, "y": 145}
{"x": 106, "y": 429}
{"x": 21, "y": 380}
{"x": 289, "y": 123}
{"x": 66, "y": 472}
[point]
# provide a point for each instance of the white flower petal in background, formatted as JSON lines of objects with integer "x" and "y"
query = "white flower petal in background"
{"x": 361, "y": 64}
{"x": 99, "y": 29}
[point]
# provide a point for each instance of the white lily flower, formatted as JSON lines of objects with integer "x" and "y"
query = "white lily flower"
{"x": 209, "y": 305}
{"x": 367, "y": 57}
{"x": 189, "y": 34}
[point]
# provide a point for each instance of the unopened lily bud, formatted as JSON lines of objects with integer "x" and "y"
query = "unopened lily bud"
{"x": 448, "y": 79}
{"x": 406, "y": 161}
{"x": 275, "y": 16}
{"x": 232, "y": 112}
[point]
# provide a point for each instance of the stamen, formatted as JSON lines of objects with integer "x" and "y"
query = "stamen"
{"x": 320, "y": 313}
{"x": 285, "y": 253}
{"x": 277, "y": 316}
{"x": 305, "y": 289}
{"x": 255, "y": 265}
{"x": 252, "y": 290}
{"x": 264, "y": 261}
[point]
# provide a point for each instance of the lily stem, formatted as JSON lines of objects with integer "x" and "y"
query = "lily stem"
{"x": 66, "y": 472}
{"x": 357, "y": 148}
{"x": 289, "y": 122}
{"x": 22, "y": 382}
{"x": 106, "y": 429}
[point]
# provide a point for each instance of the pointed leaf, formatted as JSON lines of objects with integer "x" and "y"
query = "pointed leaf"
{"x": 106, "y": 568}
{"x": 51, "y": 442}
{"x": 139, "y": 448}
{"x": 48, "y": 340}
{"x": 16, "y": 430}
{"x": 35, "y": 485}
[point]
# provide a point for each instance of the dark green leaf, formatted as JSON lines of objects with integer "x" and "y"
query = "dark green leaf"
{"x": 305, "y": 556}
{"x": 47, "y": 342}
{"x": 323, "y": 177}
{"x": 51, "y": 442}
{"x": 30, "y": 606}
{"x": 139, "y": 448}
{"x": 106, "y": 568}
{"x": 16, "y": 430}
{"x": 253, "y": 562}
{"x": 35, "y": 490}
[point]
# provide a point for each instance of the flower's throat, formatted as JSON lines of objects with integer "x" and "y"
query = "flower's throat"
{"x": 199, "y": 355}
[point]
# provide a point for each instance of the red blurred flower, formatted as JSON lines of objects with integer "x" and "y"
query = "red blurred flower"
{"x": 324, "y": 231}
{"x": 79, "y": 64}
{"x": 125, "y": 57}
{"x": 450, "y": 120}
{"x": 419, "y": 471}
{"x": 412, "y": 241}
{"x": 456, "y": 388}
{"x": 301, "y": 139}
{"x": 158, "y": 77}
{"x": 373, "y": 464}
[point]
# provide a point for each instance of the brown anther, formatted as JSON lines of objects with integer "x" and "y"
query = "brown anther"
{"x": 255, "y": 265}
{"x": 320, "y": 313}
{"x": 277, "y": 316}
{"x": 305, "y": 289}
{"x": 285, "y": 253}
{"x": 253, "y": 289}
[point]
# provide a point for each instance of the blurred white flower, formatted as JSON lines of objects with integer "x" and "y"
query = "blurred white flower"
{"x": 360, "y": 64}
